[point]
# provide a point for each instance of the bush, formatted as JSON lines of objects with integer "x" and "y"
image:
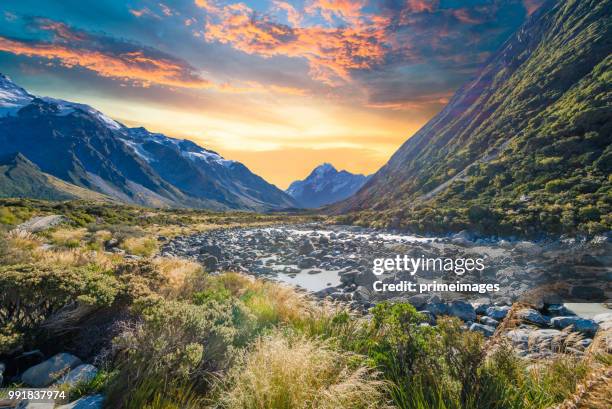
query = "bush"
{"x": 176, "y": 344}
{"x": 33, "y": 294}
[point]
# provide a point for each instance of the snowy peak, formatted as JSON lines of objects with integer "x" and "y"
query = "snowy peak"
{"x": 12, "y": 97}
{"x": 325, "y": 185}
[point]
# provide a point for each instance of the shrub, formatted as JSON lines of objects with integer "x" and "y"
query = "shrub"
{"x": 176, "y": 344}
{"x": 33, "y": 294}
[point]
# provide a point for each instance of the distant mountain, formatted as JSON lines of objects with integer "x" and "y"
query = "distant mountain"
{"x": 526, "y": 147}
{"x": 82, "y": 146}
{"x": 21, "y": 178}
{"x": 325, "y": 185}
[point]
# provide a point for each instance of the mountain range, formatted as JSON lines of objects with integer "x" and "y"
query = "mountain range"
{"x": 525, "y": 147}
{"x": 325, "y": 185}
{"x": 83, "y": 147}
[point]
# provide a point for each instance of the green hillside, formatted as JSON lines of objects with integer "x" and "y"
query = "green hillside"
{"x": 21, "y": 178}
{"x": 525, "y": 148}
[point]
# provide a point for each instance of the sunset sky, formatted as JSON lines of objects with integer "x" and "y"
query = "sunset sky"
{"x": 281, "y": 86}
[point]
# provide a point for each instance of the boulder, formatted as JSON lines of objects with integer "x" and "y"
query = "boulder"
{"x": 305, "y": 247}
{"x": 210, "y": 262}
{"x": 52, "y": 369}
{"x": 488, "y": 321}
{"x": 348, "y": 277}
{"x": 498, "y": 312}
{"x": 437, "y": 308}
{"x": 365, "y": 278}
{"x": 86, "y": 402}
{"x": 532, "y": 316}
{"x": 487, "y": 330}
{"x": 81, "y": 374}
{"x": 583, "y": 325}
{"x": 418, "y": 301}
{"x": 559, "y": 310}
{"x": 463, "y": 310}
{"x": 40, "y": 223}
{"x": 307, "y": 262}
{"x": 361, "y": 294}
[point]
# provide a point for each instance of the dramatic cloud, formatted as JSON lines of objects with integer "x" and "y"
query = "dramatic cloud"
{"x": 106, "y": 56}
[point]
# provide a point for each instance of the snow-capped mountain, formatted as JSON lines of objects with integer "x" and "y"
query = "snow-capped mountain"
{"x": 325, "y": 185}
{"x": 81, "y": 145}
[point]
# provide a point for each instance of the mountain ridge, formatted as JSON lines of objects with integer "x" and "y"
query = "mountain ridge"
{"x": 536, "y": 116}
{"x": 86, "y": 148}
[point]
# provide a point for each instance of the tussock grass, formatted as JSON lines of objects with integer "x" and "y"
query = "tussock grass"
{"x": 66, "y": 237}
{"x": 140, "y": 246}
{"x": 285, "y": 372}
{"x": 177, "y": 272}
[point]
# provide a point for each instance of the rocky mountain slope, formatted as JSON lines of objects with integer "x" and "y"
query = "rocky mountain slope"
{"x": 82, "y": 146}
{"x": 21, "y": 178}
{"x": 523, "y": 148}
{"x": 325, "y": 185}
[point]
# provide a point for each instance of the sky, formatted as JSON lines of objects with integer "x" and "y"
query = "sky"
{"x": 281, "y": 86}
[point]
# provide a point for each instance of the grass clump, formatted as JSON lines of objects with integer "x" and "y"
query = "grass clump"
{"x": 295, "y": 372}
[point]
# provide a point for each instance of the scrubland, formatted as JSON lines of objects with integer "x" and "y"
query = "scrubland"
{"x": 167, "y": 334}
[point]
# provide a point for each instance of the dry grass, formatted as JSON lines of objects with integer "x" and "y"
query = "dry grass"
{"x": 177, "y": 272}
{"x": 71, "y": 238}
{"x": 140, "y": 246}
{"x": 300, "y": 373}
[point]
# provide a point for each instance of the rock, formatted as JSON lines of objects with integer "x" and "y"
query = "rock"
{"x": 361, "y": 294}
{"x": 40, "y": 223}
{"x": 365, "y": 278}
{"x": 81, "y": 374}
{"x": 488, "y": 321}
{"x": 86, "y": 402}
{"x": 532, "y": 316}
{"x": 26, "y": 404}
{"x": 348, "y": 277}
{"x": 305, "y": 247}
{"x": 480, "y": 307}
{"x": 209, "y": 262}
{"x": 437, "y": 308}
{"x": 498, "y": 312}
{"x": 487, "y": 330}
{"x": 47, "y": 372}
{"x": 583, "y": 325}
{"x": 307, "y": 262}
{"x": 211, "y": 249}
{"x": 462, "y": 310}
{"x": 559, "y": 310}
{"x": 418, "y": 301}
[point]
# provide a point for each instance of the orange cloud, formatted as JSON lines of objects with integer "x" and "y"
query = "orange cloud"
{"x": 349, "y": 10}
{"x": 145, "y": 11}
{"x": 133, "y": 66}
{"x": 420, "y": 6}
{"x": 293, "y": 17}
{"x": 330, "y": 52}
